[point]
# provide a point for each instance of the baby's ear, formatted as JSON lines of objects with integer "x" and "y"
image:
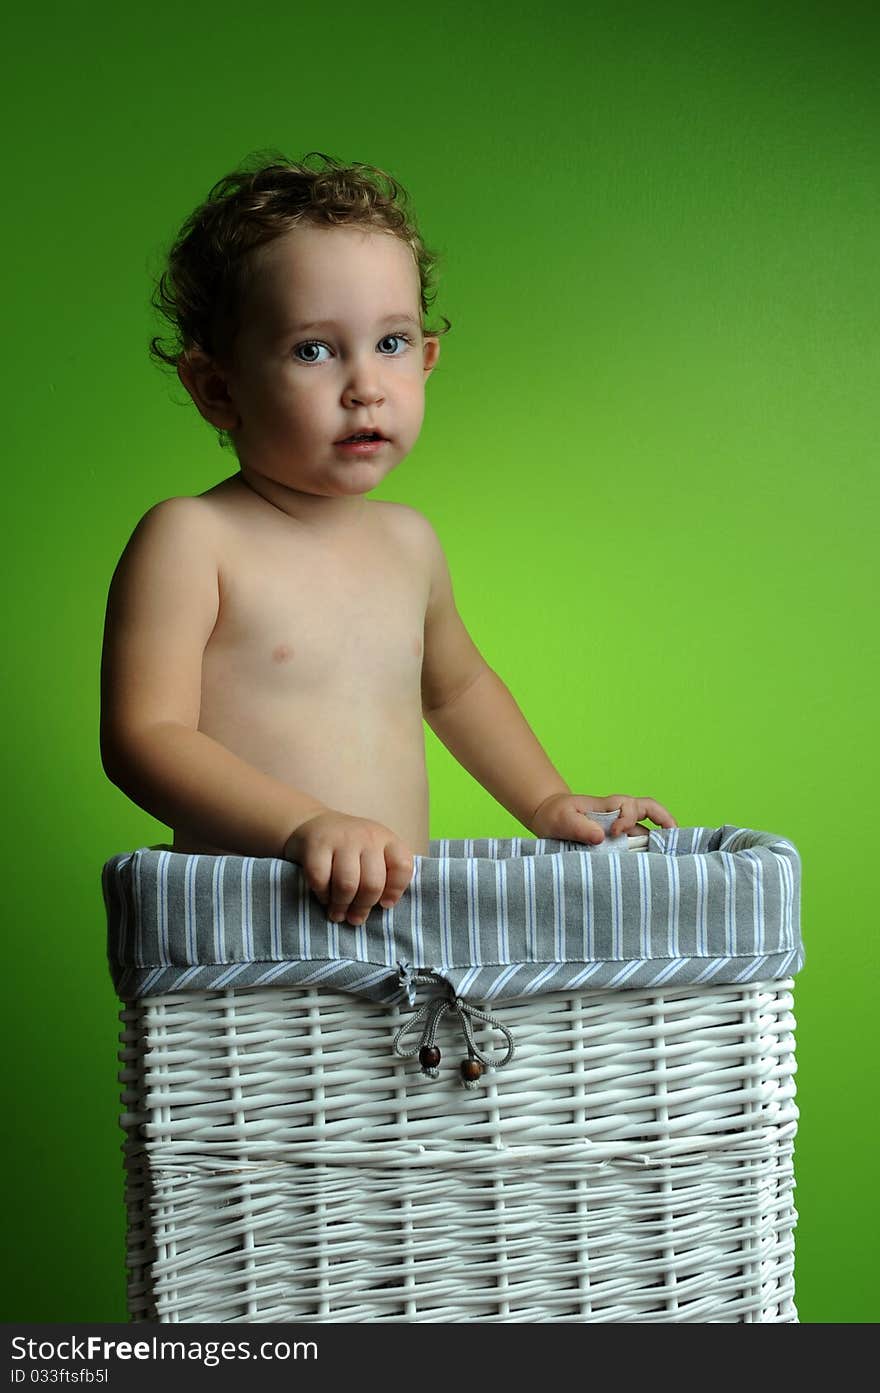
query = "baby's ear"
{"x": 207, "y": 387}
{"x": 431, "y": 353}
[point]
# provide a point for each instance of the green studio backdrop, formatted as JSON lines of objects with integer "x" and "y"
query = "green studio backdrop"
{"x": 649, "y": 451}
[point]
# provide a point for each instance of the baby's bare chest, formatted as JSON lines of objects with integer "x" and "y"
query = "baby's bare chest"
{"x": 301, "y": 620}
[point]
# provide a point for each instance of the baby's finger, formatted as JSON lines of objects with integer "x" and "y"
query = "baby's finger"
{"x": 317, "y": 868}
{"x": 372, "y": 884}
{"x": 648, "y": 807}
{"x": 399, "y": 867}
{"x": 627, "y": 818}
{"x": 576, "y": 825}
{"x": 344, "y": 882}
{"x": 591, "y": 832}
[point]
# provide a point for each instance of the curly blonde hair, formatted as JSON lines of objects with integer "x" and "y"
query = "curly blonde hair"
{"x": 202, "y": 288}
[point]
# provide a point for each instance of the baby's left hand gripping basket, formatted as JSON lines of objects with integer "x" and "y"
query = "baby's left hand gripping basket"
{"x": 549, "y": 1085}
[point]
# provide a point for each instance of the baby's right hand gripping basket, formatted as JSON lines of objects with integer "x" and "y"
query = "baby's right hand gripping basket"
{"x": 550, "y": 1085}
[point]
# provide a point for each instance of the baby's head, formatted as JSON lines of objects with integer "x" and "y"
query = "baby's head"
{"x": 299, "y": 300}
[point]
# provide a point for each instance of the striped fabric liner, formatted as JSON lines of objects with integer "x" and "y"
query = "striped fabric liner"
{"x": 495, "y": 918}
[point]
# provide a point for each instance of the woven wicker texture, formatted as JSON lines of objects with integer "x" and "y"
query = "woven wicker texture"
{"x": 633, "y": 1162}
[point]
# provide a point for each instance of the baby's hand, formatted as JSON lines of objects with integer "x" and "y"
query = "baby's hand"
{"x": 350, "y": 863}
{"x": 562, "y": 816}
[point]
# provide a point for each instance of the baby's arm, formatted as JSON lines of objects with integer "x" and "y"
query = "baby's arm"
{"x": 162, "y": 607}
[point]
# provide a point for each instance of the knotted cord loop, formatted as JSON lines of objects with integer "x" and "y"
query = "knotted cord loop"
{"x": 428, "y": 1018}
{"x": 407, "y": 981}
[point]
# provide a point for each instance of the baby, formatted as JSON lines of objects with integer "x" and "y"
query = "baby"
{"x": 272, "y": 646}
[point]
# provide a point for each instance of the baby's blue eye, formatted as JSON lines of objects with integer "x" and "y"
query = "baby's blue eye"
{"x": 309, "y": 345}
{"x": 401, "y": 338}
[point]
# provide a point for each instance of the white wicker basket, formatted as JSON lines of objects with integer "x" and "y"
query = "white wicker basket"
{"x": 633, "y": 1162}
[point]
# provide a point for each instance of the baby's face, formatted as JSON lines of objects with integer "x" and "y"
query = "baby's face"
{"x": 361, "y": 363}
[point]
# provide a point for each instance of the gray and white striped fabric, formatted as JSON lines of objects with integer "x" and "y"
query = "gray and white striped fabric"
{"x": 494, "y": 918}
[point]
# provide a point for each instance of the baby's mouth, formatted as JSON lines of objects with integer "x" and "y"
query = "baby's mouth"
{"x": 360, "y": 435}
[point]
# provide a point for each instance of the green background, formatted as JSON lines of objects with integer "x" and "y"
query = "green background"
{"x": 649, "y": 450}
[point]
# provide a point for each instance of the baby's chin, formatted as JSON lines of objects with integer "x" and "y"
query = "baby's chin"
{"x": 358, "y": 476}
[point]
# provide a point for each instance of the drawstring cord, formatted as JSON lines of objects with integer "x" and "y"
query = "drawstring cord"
{"x": 429, "y": 1016}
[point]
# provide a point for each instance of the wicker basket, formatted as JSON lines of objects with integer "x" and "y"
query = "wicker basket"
{"x": 633, "y": 1162}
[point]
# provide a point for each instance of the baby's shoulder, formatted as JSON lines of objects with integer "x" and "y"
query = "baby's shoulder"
{"x": 408, "y": 525}
{"x": 170, "y": 523}
{"x": 410, "y": 534}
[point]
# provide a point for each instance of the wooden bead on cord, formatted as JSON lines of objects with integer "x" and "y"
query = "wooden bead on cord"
{"x": 471, "y": 1071}
{"x": 429, "y": 1058}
